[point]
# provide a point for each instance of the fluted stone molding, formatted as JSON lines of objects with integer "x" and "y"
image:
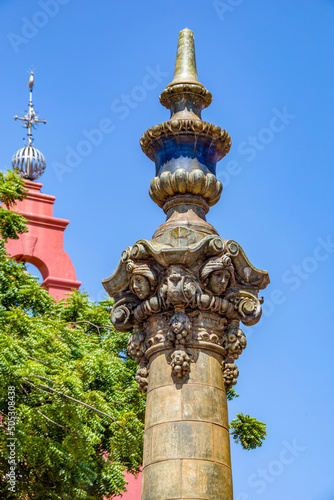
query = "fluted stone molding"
{"x": 183, "y": 296}
{"x": 180, "y": 182}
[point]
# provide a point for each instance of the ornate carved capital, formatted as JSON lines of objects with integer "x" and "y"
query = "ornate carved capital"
{"x": 182, "y": 299}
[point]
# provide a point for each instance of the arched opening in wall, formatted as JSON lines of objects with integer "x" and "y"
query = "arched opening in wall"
{"x": 34, "y": 266}
{"x": 34, "y": 271}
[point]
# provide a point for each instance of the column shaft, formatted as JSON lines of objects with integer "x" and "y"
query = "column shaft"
{"x": 187, "y": 449}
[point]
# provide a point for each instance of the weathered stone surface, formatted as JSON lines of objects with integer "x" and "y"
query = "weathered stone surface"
{"x": 163, "y": 405}
{"x": 162, "y": 481}
{"x": 204, "y": 403}
{"x": 187, "y": 439}
{"x": 206, "y": 480}
{"x": 187, "y": 422}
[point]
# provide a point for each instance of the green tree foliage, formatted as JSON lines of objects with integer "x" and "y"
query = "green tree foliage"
{"x": 248, "y": 431}
{"x": 231, "y": 394}
{"x": 79, "y": 413}
{"x": 11, "y": 190}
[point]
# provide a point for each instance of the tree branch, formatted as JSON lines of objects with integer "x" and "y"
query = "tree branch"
{"x": 107, "y": 327}
{"x": 59, "y": 425}
{"x": 44, "y": 378}
{"x": 38, "y": 361}
{"x": 73, "y": 399}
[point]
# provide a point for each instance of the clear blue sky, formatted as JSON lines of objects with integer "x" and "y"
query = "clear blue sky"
{"x": 269, "y": 66}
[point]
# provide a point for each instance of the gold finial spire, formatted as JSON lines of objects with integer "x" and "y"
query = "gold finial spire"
{"x": 185, "y": 66}
{"x": 185, "y": 93}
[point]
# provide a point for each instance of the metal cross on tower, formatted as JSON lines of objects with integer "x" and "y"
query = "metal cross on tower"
{"x": 30, "y": 118}
{"x": 29, "y": 161}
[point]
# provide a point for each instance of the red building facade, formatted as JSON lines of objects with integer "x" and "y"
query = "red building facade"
{"x": 43, "y": 245}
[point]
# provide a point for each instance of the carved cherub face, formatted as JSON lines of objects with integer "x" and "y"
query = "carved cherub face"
{"x": 143, "y": 278}
{"x": 217, "y": 274}
{"x": 218, "y": 281}
{"x": 140, "y": 286}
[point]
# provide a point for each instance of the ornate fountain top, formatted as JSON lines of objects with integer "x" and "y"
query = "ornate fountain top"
{"x": 187, "y": 288}
{"x": 29, "y": 161}
{"x": 185, "y": 149}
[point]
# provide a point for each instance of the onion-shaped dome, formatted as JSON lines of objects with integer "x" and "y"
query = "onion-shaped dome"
{"x": 29, "y": 162}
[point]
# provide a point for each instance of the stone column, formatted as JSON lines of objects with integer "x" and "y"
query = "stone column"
{"x": 187, "y": 450}
{"x": 184, "y": 294}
